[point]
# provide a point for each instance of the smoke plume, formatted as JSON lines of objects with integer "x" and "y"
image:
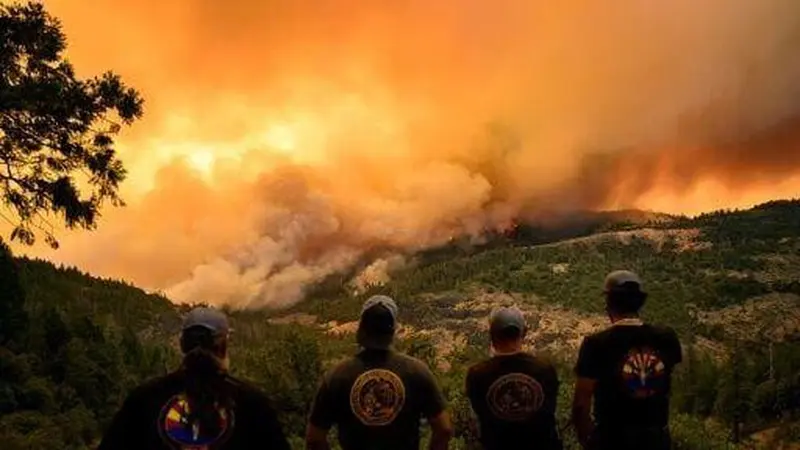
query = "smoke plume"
{"x": 288, "y": 140}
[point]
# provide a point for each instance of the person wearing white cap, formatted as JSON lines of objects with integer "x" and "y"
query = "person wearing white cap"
{"x": 378, "y": 398}
{"x": 198, "y": 406}
{"x": 513, "y": 393}
{"x": 627, "y": 371}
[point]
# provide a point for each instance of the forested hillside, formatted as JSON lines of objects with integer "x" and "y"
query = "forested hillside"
{"x": 71, "y": 346}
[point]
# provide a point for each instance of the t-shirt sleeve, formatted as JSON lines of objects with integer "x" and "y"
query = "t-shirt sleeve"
{"x": 469, "y": 383}
{"x": 550, "y": 383}
{"x": 433, "y": 402}
{"x": 267, "y": 427}
{"x": 470, "y": 386}
{"x": 123, "y": 432}
{"x": 675, "y": 346}
{"x": 556, "y": 382}
{"x": 588, "y": 364}
{"x": 322, "y": 408}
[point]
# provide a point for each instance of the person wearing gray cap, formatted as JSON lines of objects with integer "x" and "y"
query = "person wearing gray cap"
{"x": 513, "y": 394}
{"x": 198, "y": 406}
{"x": 378, "y": 398}
{"x": 627, "y": 371}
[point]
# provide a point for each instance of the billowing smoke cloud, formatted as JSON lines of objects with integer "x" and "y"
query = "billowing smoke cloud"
{"x": 287, "y": 140}
{"x": 378, "y": 272}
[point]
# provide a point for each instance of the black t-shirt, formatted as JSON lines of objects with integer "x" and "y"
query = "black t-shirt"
{"x": 377, "y": 400}
{"x": 153, "y": 417}
{"x": 633, "y": 366}
{"x": 514, "y": 397}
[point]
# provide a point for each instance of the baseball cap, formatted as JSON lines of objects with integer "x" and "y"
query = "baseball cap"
{"x": 506, "y": 317}
{"x": 377, "y": 323}
{"x": 212, "y": 319}
{"x": 622, "y": 280}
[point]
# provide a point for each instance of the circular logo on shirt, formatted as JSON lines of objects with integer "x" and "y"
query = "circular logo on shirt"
{"x": 643, "y": 373}
{"x": 515, "y": 397}
{"x": 377, "y": 397}
{"x": 180, "y": 429}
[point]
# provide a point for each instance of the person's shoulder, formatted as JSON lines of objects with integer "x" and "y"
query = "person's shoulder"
{"x": 664, "y": 331}
{"x": 341, "y": 370}
{"x": 249, "y": 392}
{"x": 158, "y": 383}
{"x": 242, "y": 385}
{"x": 542, "y": 360}
{"x": 344, "y": 364}
{"x": 409, "y": 360}
{"x": 480, "y": 367}
{"x": 410, "y": 363}
{"x": 598, "y": 336}
{"x": 154, "y": 387}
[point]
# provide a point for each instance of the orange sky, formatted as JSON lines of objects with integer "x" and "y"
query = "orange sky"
{"x": 283, "y": 140}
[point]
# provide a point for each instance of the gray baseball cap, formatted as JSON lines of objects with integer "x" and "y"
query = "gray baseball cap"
{"x": 209, "y": 318}
{"x": 506, "y": 317}
{"x": 622, "y": 280}
{"x": 377, "y": 323}
{"x": 380, "y": 300}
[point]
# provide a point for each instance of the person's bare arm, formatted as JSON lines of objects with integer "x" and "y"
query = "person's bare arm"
{"x": 441, "y": 431}
{"x": 316, "y": 438}
{"x": 322, "y": 417}
{"x": 582, "y": 410}
{"x": 474, "y": 424}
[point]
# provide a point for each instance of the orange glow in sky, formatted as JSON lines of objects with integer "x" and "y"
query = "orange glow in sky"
{"x": 282, "y": 141}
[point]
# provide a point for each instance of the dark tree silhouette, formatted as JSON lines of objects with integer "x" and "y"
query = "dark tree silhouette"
{"x": 13, "y": 318}
{"x": 56, "y": 131}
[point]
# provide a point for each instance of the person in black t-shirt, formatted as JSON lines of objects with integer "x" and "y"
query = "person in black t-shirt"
{"x": 627, "y": 369}
{"x": 199, "y": 406}
{"x": 513, "y": 394}
{"x": 378, "y": 398}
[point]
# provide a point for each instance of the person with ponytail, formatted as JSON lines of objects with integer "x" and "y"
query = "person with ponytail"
{"x": 199, "y": 406}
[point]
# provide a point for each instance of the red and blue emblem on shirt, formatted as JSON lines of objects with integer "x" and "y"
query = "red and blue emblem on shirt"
{"x": 181, "y": 430}
{"x": 643, "y": 373}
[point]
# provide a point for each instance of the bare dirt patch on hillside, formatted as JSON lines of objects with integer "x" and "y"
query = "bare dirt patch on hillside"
{"x": 774, "y": 316}
{"x": 686, "y": 239}
{"x": 555, "y": 330}
{"x": 337, "y": 329}
{"x": 296, "y": 318}
{"x": 779, "y": 267}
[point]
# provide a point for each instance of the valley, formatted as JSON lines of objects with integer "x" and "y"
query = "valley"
{"x": 727, "y": 282}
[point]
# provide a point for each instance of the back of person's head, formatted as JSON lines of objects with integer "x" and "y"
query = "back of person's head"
{"x": 378, "y": 322}
{"x": 624, "y": 293}
{"x": 204, "y": 343}
{"x": 507, "y": 325}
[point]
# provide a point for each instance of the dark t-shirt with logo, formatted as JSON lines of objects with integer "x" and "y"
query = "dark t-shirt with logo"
{"x": 154, "y": 417}
{"x": 633, "y": 366}
{"x": 377, "y": 400}
{"x": 514, "y": 397}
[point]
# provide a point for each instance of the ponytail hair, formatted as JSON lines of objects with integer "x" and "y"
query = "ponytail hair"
{"x": 207, "y": 389}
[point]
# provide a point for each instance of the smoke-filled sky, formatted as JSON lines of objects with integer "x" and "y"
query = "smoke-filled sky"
{"x": 285, "y": 140}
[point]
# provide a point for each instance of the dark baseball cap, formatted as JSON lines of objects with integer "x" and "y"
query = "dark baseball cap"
{"x": 622, "y": 280}
{"x": 377, "y": 323}
{"x": 503, "y": 318}
{"x": 211, "y": 319}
